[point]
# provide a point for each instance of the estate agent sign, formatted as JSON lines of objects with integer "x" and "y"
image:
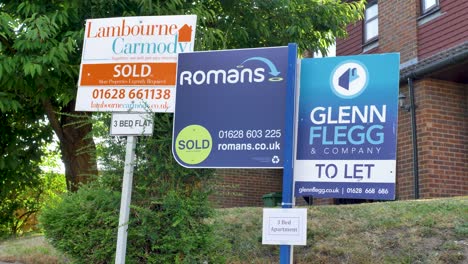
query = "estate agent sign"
{"x": 230, "y": 108}
{"x": 347, "y": 127}
{"x": 129, "y": 63}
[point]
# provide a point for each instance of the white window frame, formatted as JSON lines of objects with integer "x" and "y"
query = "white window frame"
{"x": 368, "y": 20}
{"x": 425, "y": 8}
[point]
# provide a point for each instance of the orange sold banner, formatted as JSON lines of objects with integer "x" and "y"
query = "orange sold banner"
{"x": 129, "y": 63}
{"x": 112, "y": 74}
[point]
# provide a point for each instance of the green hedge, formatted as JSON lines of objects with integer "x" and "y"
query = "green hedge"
{"x": 84, "y": 226}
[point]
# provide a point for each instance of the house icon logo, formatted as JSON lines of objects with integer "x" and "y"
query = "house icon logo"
{"x": 185, "y": 33}
{"x": 349, "y": 79}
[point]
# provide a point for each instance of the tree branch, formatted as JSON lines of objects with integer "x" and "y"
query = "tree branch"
{"x": 53, "y": 119}
{"x": 8, "y": 45}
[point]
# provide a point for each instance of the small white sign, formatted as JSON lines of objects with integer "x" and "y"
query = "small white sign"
{"x": 135, "y": 124}
{"x": 284, "y": 226}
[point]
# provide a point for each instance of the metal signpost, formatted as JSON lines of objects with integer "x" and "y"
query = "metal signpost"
{"x": 125, "y": 201}
{"x": 129, "y": 65}
{"x": 131, "y": 125}
{"x": 286, "y": 251}
{"x": 347, "y": 127}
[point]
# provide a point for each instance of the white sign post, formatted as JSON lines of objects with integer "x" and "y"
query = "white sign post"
{"x": 130, "y": 125}
{"x": 125, "y": 201}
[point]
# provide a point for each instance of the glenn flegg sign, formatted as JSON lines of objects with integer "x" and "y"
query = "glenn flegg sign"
{"x": 129, "y": 63}
{"x": 347, "y": 127}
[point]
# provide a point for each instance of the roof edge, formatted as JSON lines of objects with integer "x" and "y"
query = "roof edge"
{"x": 435, "y": 63}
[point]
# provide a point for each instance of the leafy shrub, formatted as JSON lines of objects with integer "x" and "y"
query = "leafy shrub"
{"x": 170, "y": 211}
{"x": 176, "y": 231}
{"x": 19, "y": 206}
{"x": 84, "y": 224}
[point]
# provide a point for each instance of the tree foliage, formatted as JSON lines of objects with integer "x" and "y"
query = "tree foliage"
{"x": 39, "y": 59}
{"x": 312, "y": 24}
{"x": 22, "y": 136}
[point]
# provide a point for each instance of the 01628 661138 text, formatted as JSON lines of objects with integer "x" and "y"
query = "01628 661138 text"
{"x": 141, "y": 93}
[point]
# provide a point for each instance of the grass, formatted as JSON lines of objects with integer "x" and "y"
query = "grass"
{"x": 30, "y": 250}
{"x": 424, "y": 231}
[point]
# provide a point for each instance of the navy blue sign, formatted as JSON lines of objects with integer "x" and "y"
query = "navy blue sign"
{"x": 347, "y": 127}
{"x": 230, "y": 108}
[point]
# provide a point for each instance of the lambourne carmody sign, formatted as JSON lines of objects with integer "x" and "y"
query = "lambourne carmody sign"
{"x": 230, "y": 108}
{"x": 347, "y": 127}
{"x": 129, "y": 63}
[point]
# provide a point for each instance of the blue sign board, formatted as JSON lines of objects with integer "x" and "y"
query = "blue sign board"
{"x": 230, "y": 108}
{"x": 347, "y": 127}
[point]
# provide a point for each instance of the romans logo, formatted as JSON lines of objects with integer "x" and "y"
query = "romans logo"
{"x": 240, "y": 74}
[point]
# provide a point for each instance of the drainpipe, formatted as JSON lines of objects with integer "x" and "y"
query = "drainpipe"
{"x": 414, "y": 138}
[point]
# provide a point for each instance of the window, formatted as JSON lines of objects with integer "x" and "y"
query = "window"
{"x": 371, "y": 22}
{"x": 430, "y": 10}
{"x": 428, "y": 5}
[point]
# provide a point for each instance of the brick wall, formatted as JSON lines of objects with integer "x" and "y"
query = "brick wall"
{"x": 397, "y": 31}
{"x": 353, "y": 43}
{"x": 245, "y": 187}
{"x": 445, "y": 31}
{"x": 398, "y": 28}
{"x": 444, "y": 139}
{"x": 442, "y": 130}
{"x": 404, "y": 176}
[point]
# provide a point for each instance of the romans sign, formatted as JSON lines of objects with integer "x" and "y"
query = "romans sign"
{"x": 230, "y": 108}
{"x": 129, "y": 63}
{"x": 347, "y": 127}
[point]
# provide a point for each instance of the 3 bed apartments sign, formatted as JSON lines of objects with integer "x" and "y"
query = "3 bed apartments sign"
{"x": 129, "y": 63}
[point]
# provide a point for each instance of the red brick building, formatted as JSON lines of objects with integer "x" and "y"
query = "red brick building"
{"x": 432, "y": 153}
{"x": 432, "y": 39}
